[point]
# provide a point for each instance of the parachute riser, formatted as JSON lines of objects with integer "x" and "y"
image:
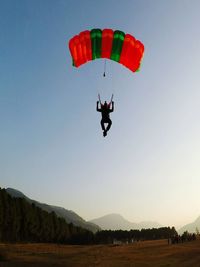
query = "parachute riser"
{"x": 110, "y": 99}
{"x": 99, "y": 98}
{"x": 104, "y": 72}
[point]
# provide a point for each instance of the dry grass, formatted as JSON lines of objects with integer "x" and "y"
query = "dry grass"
{"x": 141, "y": 254}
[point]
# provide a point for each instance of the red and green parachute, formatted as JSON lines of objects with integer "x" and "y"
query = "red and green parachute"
{"x": 114, "y": 45}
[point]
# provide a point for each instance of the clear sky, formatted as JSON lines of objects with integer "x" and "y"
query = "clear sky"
{"x": 51, "y": 144}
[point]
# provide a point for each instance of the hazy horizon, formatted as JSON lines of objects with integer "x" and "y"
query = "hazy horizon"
{"x": 51, "y": 144}
{"x": 112, "y": 213}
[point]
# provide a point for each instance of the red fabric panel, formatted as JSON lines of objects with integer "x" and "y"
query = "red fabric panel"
{"x": 73, "y": 49}
{"x": 132, "y": 52}
{"x": 80, "y": 48}
{"x": 107, "y": 40}
{"x": 86, "y": 46}
{"x": 139, "y": 51}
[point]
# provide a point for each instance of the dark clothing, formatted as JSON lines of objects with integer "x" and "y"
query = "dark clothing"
{"x": 105, "y": 113}
{"x": 108, "y": 126}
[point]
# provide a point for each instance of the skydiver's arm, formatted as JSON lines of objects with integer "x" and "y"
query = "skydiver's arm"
{"x": 97, "y": 108}
{"x": 112, "y": 109}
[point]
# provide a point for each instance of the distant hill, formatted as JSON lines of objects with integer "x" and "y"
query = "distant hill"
{"x": 117, "y": 222}
{"x": 191, "y": 227}
{"x": 68, "y": 215}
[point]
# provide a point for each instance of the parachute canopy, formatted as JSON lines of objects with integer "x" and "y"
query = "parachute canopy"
{"x": 114, "y": 45}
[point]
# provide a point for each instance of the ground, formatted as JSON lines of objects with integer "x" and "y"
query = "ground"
{"x": 140, "y": 254}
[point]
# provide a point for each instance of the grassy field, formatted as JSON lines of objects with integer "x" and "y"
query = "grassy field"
{"x": 141, "y": 254}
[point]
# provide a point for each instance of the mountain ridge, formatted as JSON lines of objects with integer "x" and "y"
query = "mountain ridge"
{"x": 115, "y": 221}
{"x": 192, "y": 227}
{"x": 69, "y": 215}
{"x": 111, "y": 221}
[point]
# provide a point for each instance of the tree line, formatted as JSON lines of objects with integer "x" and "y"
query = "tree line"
{"x": 107, "y": 236}
{"x": 21, "y": 221}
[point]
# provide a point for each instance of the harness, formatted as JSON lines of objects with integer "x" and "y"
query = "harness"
{"x": 109, "y": 102}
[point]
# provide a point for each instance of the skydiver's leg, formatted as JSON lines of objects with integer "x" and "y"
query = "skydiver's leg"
{"x": 102, "y": 125}
{"x": 103, "y": 128}
{"x": 109, "y": 125}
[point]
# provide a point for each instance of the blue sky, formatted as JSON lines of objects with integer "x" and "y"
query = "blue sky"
{"x": 51, "y": 144}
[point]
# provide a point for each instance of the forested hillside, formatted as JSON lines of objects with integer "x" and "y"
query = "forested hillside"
{"x": 21, "y": 221}
{"x": 69, "y": 215}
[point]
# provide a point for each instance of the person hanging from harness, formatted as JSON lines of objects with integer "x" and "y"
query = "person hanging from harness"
{"x": 105, "y": 110}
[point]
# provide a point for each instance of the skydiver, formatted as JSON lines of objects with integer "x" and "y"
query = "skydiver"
{"x": 105, "y": 113}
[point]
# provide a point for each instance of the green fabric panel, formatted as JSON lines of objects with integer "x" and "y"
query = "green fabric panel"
{"x": 96, "y": 37}
{"x": 118, "y": 40}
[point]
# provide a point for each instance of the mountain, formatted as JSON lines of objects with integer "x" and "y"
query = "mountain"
{"x": 68, "y": 215}
{"x": 117, "y": 222}
{"x": 191, "y": 227}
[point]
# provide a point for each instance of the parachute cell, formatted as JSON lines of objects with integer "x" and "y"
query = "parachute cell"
{"x": 107, "y": 40}
{"x": 96, "y": 36}
{"x": 117, "y": 45}
{"x": 114, "y": 45}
